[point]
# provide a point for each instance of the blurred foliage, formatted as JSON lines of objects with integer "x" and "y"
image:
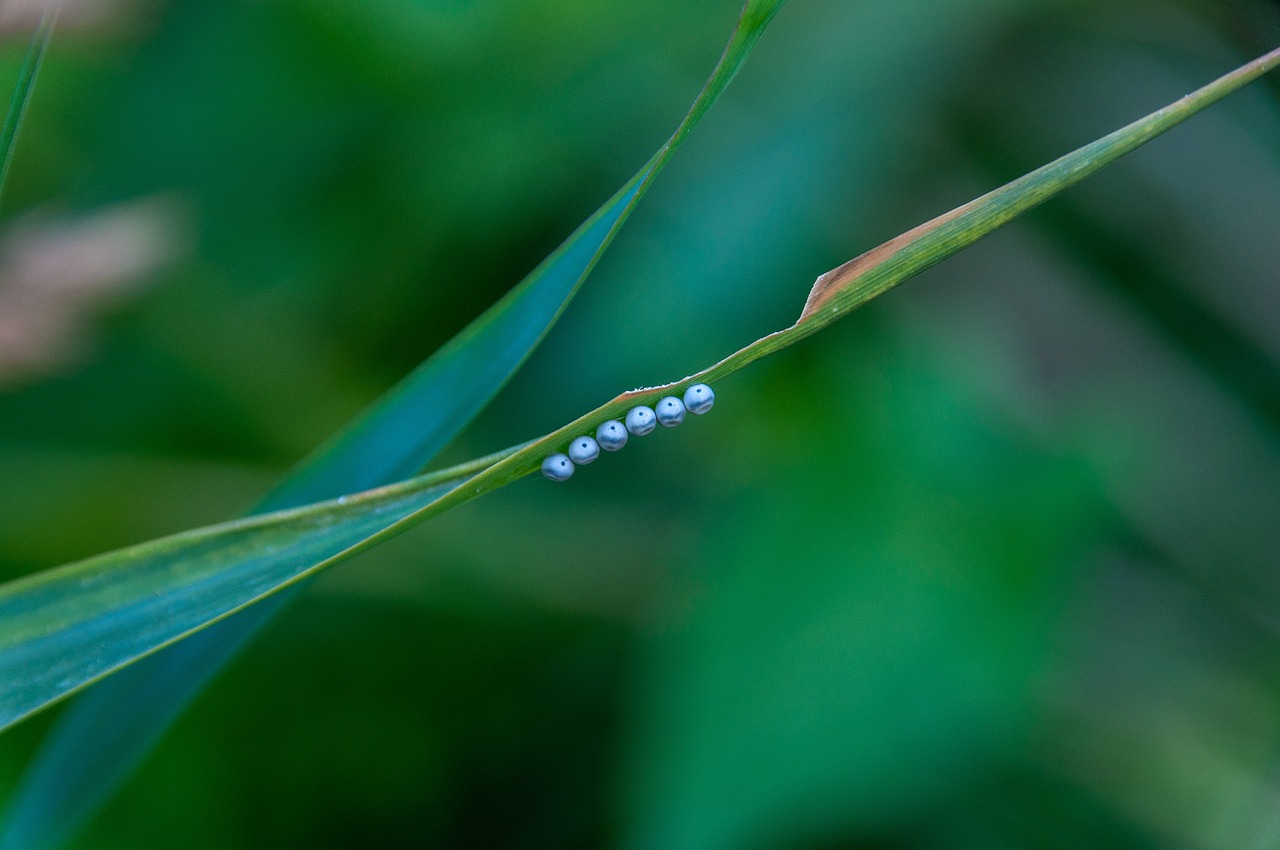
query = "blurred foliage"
{"x": 990, "y": 565}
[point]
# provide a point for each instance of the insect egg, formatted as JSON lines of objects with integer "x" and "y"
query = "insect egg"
{"x": 670, "y": 411}
{"x": 584, "y": 450}
{"x": 558, "y": 467}
{"x": 699, "y": 398}
{"x": 611, "y": 435}
{"x": 641, "y": 420}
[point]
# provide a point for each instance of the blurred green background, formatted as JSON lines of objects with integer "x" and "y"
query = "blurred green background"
{"x": 990, "y": 564}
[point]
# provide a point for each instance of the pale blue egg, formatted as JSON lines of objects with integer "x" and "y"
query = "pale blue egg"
{"x": 611, "y": 435}
{"x": 584, "y": 450}
{"x": 641, "y": 420}
{"x": 699, "y": 398}
{"x": 558, "y": 467}
{"x": 670, "y": 411}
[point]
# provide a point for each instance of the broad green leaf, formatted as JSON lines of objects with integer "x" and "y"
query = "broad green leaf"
{"x": 106, "y": 731}
{"x": 220, "y": 569}
{"x": 22, "y": 91}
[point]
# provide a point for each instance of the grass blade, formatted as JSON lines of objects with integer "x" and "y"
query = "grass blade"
{"x": 108, "y": 729}
{"x": 212, "y": 571}
{"x": 23, "y": 90}
{"x": 134, "y": 601}
{"x": 406, "y": 428}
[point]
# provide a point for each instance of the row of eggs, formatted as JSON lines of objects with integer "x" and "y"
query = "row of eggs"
{"x": 612, "y": 435}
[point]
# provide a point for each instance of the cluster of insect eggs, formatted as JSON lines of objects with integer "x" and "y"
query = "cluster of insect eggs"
{"x": 640, "y": 420}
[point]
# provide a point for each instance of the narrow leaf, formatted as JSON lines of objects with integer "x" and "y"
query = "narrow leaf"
{"x": 411, "y": 423}
{"x": 126, "y": 604}
{"x": 22, "y": 91}
{"x": 215, "y": 570}
{"x": 105, "y": 733}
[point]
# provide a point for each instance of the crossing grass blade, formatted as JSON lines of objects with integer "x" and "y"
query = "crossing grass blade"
{"x": 104, "y": 734}
{"x": 77, "y": 609}
{"x": 405, "y": 428}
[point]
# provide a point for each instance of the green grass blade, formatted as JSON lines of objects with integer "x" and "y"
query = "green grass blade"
{"x": 875, "y": 272}
{"x": 22, "y": 91}
{"x": 81, "y": 618}
{"x": 127, "y": 604}
{"x": 412, "y": 422}
{"x": 102, "y": 736}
